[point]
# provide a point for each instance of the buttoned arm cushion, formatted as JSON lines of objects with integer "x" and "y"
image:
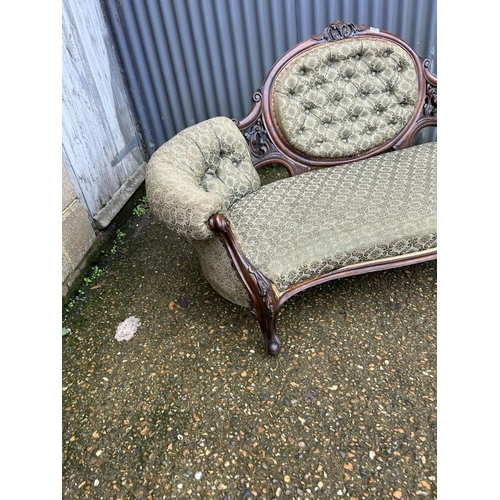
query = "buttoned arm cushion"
{"x": 201, "y": 171}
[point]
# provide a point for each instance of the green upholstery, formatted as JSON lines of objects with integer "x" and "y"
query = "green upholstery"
{"x": 305, "y": 226}
{"x": 219, "y": 272}
{"x": 345, "y": 97}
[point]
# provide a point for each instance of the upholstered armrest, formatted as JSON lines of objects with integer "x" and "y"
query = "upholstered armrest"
{"x": 177, "y": 200}
{"x": 200, "y": 172}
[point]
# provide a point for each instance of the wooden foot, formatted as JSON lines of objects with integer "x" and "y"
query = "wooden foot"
{"x": 273, "y": 347}
{"x": 267, "y": 319}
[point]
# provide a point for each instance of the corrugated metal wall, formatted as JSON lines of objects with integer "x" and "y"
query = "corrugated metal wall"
{"x": 189, "y": 60}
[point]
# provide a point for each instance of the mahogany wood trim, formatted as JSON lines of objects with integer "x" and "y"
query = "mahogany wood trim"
{"x": 263, "y": 296}
{"x": 370, "y": 267}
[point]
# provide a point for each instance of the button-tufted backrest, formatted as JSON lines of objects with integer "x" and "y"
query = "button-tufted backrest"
{"x": 346, "y": 97}
{"x": 199, "y": 172}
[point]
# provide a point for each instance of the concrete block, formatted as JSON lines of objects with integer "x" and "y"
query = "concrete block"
{"x": 67, "y": 267}
{"x": 77, "y": 233}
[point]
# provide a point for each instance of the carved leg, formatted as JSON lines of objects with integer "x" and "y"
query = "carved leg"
{"x": 267, "y": 322}
{"x": 265, "y": 308}
{"x": 264, "y": 300}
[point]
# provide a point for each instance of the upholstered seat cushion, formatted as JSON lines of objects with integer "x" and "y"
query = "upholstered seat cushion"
{"x": 304, "y": 226}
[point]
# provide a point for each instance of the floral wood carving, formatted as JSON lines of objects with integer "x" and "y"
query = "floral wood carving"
{"x": 258, "y": 140}
{"x": 429, "y": 108}
{"x": 264, "y": 304}
{"x": 265, "y": 291}
{"x": 262, "y": 285}
{"x": 430, "y": 103}
{"x": 339, "y": 30}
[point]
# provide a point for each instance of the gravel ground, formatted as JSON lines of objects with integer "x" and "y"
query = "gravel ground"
{"x": 191, "y": 406}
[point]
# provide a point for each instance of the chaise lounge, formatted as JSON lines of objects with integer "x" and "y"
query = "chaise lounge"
{"x": 353, "y": 99}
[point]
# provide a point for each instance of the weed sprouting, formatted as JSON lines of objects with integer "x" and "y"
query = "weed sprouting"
{"x": 91, "y": 277}
{"x": 95, "y": 273}
{"x": 142, "y": 208}
{"x": 120, "y": 237}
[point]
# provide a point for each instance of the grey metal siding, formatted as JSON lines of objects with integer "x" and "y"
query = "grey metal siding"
{"x": 189, "y": 60}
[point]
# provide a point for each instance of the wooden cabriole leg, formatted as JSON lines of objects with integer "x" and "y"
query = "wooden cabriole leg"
{"x": 264, "y": 300}
{"x": 265, "y": 308}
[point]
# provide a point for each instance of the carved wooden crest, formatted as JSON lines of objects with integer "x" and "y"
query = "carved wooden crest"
{"x": 339, "y": 30}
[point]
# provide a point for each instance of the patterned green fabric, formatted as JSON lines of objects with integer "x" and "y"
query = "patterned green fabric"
{"x": 219, "y": 272}
{"x": 304, "y": 226}
{"x": 199, "y": 172}
{"x": 346, "y": 97}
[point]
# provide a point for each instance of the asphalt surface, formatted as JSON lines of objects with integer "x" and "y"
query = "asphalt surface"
{"x": 191, "y": 406}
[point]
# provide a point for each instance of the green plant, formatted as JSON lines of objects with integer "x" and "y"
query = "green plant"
{"x": 70, "y": 305}
{"x": 120, "y": 236}
{"x": 142, "y": 208}
{"x": 94, "y": 274}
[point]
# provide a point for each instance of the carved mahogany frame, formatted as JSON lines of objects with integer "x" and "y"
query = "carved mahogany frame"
{"x": 266, "y": 146}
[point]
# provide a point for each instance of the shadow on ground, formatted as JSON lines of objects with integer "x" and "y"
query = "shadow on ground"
{"x": 192, "y": 406}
